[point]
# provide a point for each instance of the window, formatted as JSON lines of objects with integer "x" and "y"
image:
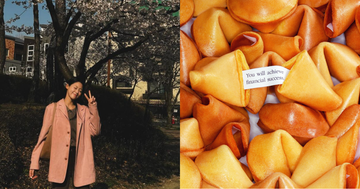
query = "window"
{"x": 30, "y": 53}
{"x": 156, "y": 88}
{"x": 123, "y": 82}
{"x": 29, "y": 69}
{"x": 12, "y": 69}
{"x": 46, "y": 46}
{"x": 29, "y": 72}
{"x": 18, "y": 57}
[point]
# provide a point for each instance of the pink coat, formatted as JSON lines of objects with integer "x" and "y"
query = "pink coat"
{"x": 88, "y": 124}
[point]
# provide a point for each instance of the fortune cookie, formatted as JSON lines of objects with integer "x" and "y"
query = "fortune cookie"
{"x": 235, "y": 135}
{"x": 352, "y": 37}
{"x": 306, "y": 85}
{"x": 214, "y": 29}
{"x": 250, "y": 43}
{"x": 346, "y": 129}
{"x": 191, "y": 143}
{"x": 189, "y": 56}
{"x": 205, "y": 61}
{"x": 263, "y": 15}
{"x": 189, "y": 173}
{"x": 220, "y": 168}
{"x": 357, "y": 165}
{"x": 317, "y": 157}
{"x": 319, "y": 4}
{"x": 247, "y": 171}
{"x": 307, "y": 23}
{"x": 301, "y": 122}
{"x": 206, "y": 185}
{"x": 286, "y": 47}
{"x": 203, "y": 5}
{"x": 188, "y": 98}
{"x": 258, "y": 95}
{"x": 222, "y": 78}
{"x": 339, "y": 15}
{"x": 273, "y": 152}
{"x": 186, "y": 11}
{"x": 276, "y": 180}
{"x": 341, "y": 61}
{"x": 349, "y": 91}
{"x": 213, "y": 115}
{"x": 341, "y": 176}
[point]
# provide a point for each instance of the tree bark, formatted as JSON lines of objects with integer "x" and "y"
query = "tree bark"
{"x": 146, "y": 113}
{"x": 169, "y": 107}
{"x": 60, "y": 23}
{"x": 133, "y": 89}
{"x": 2, "y": 37}
{"x": 50, "y": 69}
{"x": 168, "y": 95}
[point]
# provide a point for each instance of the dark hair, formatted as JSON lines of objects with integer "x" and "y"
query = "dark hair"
{"x": 74, "y": 80}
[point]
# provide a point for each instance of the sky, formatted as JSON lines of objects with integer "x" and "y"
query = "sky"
{"x": 26, "y": 17}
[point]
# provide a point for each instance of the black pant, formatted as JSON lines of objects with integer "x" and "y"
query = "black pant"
{"x": 69, "y": 173}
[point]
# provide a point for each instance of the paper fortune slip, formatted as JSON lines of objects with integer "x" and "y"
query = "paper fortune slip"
{"x": 264, "y": 76}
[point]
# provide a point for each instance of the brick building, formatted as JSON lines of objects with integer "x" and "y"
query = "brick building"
{"x": 14, "y": 53}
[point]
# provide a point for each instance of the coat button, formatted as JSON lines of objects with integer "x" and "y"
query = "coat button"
{"x": 65, "y": 158}
{"x": 68, "y": 132}
{"x": 67, "y": 145}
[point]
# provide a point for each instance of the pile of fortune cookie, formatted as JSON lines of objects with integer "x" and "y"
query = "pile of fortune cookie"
{"x": 309, "y": 135}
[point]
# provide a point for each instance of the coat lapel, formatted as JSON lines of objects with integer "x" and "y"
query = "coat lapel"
{"x": 79, "y": 121}
{"x": 62, "y": 107}
{"x": 80, "y": 117}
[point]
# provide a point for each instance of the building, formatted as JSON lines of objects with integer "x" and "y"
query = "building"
{"x": 19, "y": 56}
{"x": 14, "y": 55}
{"x": 28, "y": 62}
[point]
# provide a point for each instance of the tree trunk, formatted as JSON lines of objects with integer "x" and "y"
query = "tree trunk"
{"x": 34, "y": 96}
{"x": 146, "y": 113}
{"x": 168, "y": 104}
{"x": 132, "y": 90}
{"x": 59, "y": 83}
{"x": 50, "y": 69}
{"x": 168, "y": 89}
{"x": 61, "y": 61}
{"x": 2, "y": 37}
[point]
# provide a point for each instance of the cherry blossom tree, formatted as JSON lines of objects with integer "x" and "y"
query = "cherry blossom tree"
{"x": 141, "y": 31}
{"x": 163, "y": 67}
{"x": 129, "y": 21}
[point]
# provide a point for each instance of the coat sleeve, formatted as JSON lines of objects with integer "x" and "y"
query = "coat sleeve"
{"x": 93, "y": 122}
{"x": 35, "y": 156}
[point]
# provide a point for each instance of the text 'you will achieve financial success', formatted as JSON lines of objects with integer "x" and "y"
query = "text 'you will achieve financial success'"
{"x": 264, "y": 77}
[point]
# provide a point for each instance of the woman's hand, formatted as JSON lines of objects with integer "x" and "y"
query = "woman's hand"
{"x": 32, "y": 174}
{"x": 90, "y": 99}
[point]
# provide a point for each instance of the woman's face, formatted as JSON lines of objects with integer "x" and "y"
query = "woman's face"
{"x": 74, "y": 90}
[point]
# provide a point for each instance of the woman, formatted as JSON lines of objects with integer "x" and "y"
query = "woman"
{"x": 71, "y": 148}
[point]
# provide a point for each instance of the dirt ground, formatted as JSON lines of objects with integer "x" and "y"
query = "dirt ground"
{"x": 174, "y": 181}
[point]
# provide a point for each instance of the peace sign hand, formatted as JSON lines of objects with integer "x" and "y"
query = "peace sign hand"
{"x": 90, "y": 99}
